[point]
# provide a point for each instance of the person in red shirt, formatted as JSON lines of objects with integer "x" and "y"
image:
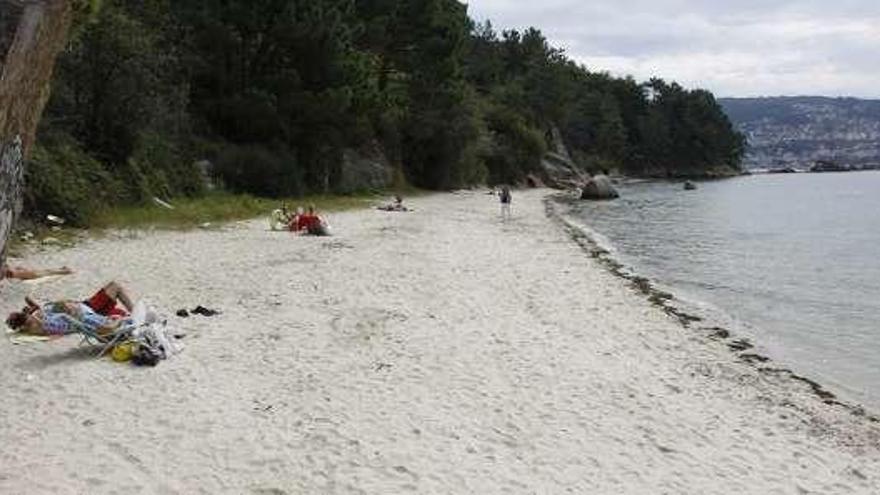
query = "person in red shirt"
{"x": 309, "y": 223}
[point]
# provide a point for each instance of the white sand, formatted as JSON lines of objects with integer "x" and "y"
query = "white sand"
{"x": 440, "y": 351}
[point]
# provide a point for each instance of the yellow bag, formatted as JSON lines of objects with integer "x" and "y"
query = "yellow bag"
{"x": 122, "y": 352}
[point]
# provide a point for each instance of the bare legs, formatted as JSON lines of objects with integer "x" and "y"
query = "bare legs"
{"x": 29, "y": 274}
{"x": 505, "y": 211}
{"x": 118, "y": 293}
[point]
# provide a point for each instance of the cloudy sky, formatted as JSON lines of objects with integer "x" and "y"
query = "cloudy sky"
{"x": 731, "y": 47}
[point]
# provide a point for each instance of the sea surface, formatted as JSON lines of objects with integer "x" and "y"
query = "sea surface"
{"x": 791, "y": 261}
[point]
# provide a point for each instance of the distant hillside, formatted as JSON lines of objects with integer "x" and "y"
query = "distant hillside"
{"x": 797, "y": 131}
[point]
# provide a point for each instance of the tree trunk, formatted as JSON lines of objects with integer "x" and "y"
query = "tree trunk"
{"x": 32, "y": 33}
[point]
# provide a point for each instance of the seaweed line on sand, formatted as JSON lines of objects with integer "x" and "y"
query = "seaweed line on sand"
{"x": 665, "y": 301}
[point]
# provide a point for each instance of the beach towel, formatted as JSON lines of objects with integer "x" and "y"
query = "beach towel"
{"x": 23, "y": 339}
{"x": 43, "y": 280}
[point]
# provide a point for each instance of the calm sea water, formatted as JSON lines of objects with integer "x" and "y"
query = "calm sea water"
{"x": 794, "y": 259}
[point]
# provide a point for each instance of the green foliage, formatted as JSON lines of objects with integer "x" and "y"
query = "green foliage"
{"x": 115, "y": 81}
{"x": 686, "y": 133}
{"x": 515, "y": 148}
{"x": 280, "y": 88}
{"x": 258, "y": 169}
{"x": 85, "y": 11}
{"x": 607, "y": 123}
{"x": 63, "y": 180}
{"x": 282, "y": 72}
{"x": 216, "y": 207}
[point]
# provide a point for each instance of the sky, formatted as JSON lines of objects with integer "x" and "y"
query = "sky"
{"x": 732, "y": 48}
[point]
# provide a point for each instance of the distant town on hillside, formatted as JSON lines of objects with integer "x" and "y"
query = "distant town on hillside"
{"x": 803, "y": 132}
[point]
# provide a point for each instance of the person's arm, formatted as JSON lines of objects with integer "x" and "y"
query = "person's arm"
{"x": 31, "y": 303}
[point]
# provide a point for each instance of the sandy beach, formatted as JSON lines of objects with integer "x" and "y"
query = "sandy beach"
{"x": 436, "y": 351}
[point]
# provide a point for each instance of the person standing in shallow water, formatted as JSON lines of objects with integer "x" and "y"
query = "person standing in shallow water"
{"x": 505, "y": 198}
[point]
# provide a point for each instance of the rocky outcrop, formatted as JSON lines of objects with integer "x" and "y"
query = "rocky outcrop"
{"x": 365, "y": 169}
{"x": 558, "y": 170}
{"x": 32, "y": 33}
{"x": 560, "y": 173}
{"x": 599, "y": 188}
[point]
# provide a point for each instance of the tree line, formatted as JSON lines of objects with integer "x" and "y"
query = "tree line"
{"x": 273, "y": 91}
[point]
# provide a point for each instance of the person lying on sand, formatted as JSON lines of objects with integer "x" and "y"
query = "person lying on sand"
{"x": 99, "y": 312}
{"x": 309, "y": 223}
{"x": 22, "y": 273}
{"x": 397, "y": 205}
{"x": 62, "y": 318}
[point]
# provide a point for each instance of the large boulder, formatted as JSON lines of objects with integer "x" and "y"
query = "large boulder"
{"x": 32, "y": 33}
{"x": 599, "y": 188}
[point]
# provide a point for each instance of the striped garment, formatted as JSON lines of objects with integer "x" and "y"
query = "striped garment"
{"x": 57, "y": 322}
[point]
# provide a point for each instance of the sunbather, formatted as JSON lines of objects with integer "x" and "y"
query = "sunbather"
{"x": 99, "y": 312}
{"x": 63, "y": 319}
{"x": 397, "y": 205}
{"x": 22, "y": 273}
{"x": 309, "y": 223}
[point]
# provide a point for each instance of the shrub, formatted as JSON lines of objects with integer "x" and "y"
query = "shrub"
{"x": 259, "y": 170}
{"x": 61, "y": 179}
{"x": 515, "y": 147}
{"x": 159, "y": 167}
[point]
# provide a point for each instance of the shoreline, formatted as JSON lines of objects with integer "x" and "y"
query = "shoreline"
{"x": 437, "y": 351}
{"x": 741, "y": 347}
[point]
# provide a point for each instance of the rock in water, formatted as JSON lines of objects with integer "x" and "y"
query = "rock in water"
{"x": 829, "y": 166}
{"x": 786, "y": 170}
{"x": 689, "y": 186}
{"x": 599, "y": 187}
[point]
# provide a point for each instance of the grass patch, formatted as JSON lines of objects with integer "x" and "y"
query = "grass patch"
{"x": 17, "y": 246}
{"x": 218, "y": 207}
{"x": 188, "y": 213}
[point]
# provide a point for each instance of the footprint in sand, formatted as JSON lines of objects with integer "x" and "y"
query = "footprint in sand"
{"x": 363, "y": 325}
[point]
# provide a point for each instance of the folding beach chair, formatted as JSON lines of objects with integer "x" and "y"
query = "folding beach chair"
{"x": 104, "y": 341}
